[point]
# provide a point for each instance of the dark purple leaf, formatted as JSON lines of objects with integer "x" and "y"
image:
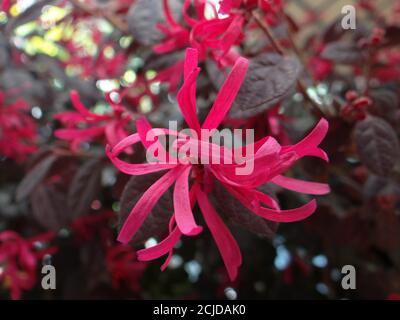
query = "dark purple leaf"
{"x": 377, "y": 144}
{"x": 377, "y": 185}
{"x": 235, "y": 212}
{"x": 343, "y": 52}
{"x": 34, "y": 177}
{"x": 392, "y": 36}
{"x": 334, "y": 31}
{"x": 385, "y": 103}
{"x": 269, "y": 79}
{"x": 143, "y": 17}
{"x": 49, "y": 207}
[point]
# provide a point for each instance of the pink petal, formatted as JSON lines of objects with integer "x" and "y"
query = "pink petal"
{"x": 190, "y": 21}
{"x": 167, "y": 245}
{"x": 227, "y": 5}
{"x": 161, "y": 248}
{"x": 308, "y": 146}
{"x": 182, "y": 207}
{"x": 289, "y": 215}
{"x": 78, "y": 105}
{"x": 146, "y": 203}
{"x": 248, "y": 199}
{"x": 301, "y": 186}
{"x": 227, "y": 94}
{"x": 81, "y": 134}
{"x": 168, "y": 14}
{"x": 226, "y": 244}
{"x": 187, "y": 100}
{"x": 144, "y": 128}
{"x": 111, "y": 133}
{"x": 125, "y": 143}
{"x": 136, "y": 169}
{"x": 191, "y": 61}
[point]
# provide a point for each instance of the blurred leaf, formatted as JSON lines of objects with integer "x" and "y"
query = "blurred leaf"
{"x": 392, "y": 36}
{"x": 334, "y": 31}
{"x": 84, "y": 187}
{"x": 343, "y": 52}
{"x": 34, "y": 177}
{"x": 385, "y": 104}
{"x": 236, "y": 213}
{"x": 269, "y": 79}
{"x": 49, "y": 207}
{"x": 377, "y": 144}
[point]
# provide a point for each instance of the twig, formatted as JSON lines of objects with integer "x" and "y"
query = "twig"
{"x": 278, "y": 48}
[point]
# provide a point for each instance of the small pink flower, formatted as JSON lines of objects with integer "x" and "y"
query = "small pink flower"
{"x": 214, "y": 38}
{"x": 18, "y": 131}
{"x": 84, "y": 125}
{"x": 5, "y": 5}
{"x": 18, "y": 261}
{"x": 194, "y": 181}
{"x": 124, "y": 268}
{"x": 211, "y": 37}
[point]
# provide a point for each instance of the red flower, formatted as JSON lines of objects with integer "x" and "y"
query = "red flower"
{"x": 214, "y": 38}
{"x": 84, "y": 125}
{"x": 18, "y": 261}
{"x": 5, "y": 5}
{"x": 99, "y": 66}
{"x": 124, "y": 268}
{"x": 18, "y": 132}
{"x": 270, "y": 7}
{"x": 270, "y": 161}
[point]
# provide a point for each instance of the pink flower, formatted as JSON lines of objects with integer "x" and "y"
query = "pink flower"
{"x": 214, "y": 36}
{"x": 124, "y": 268}
{"x": 18, "y": 261}
{"x": 98, "y": 66}
{"x": 270, "y": 7}
{"x": 84, "y": 125}
{"x": 18, "y": 132}
{"x": 5, "y": 5}
{"x": 194, "y": 181}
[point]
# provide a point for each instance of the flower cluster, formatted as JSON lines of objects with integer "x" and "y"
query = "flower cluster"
{"x": 83, "y": 125}
{"x": 19, "y": 261}
{"x": 193, "y": 182}
{"x": 18, "y": 132}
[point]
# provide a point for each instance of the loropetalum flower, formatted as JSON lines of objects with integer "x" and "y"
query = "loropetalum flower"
{"x": 214, "y": 36}
{"x": 5, "y": 5}
{"x": 270, "y": 7}
{"x": 194, "y": 180}
{"x": 18, "y": 131}
{"x": 99, "y": 65}
{"x": 84, "y": 125}
{"x": 19, "y": 261}
{"x": 124, "y": 268}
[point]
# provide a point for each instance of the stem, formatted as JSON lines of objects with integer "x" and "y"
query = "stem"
{"x": 279, "y": 49}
